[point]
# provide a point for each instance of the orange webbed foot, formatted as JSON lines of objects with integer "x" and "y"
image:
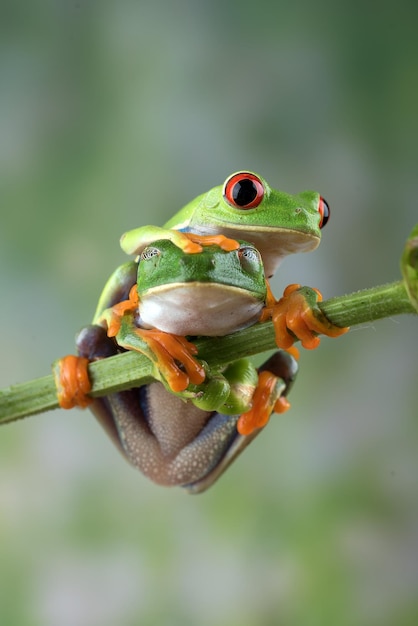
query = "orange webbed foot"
{"x": 72, "y": 381}
{"x": 113, "y": 316}
{"x": 266, "y": 400}
{"x": 198, "y": 241}
{"x": 173, "y": 356}
{"x": 297, "y": 316}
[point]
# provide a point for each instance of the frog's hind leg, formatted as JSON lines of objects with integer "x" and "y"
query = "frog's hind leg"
{"x": 170, "y": 441}
{"x": 283, "y": 367}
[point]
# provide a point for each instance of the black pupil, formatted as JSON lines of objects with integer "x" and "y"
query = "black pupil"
{"x": 244, "y": 192}
{"x": 326, "y": 210}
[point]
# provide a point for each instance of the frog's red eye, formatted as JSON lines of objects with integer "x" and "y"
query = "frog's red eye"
{"x": 324, "y": 212}
{"x": 243, "y": 191}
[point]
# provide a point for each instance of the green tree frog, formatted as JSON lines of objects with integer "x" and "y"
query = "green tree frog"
{"x": 159, "y": 431}
{"x": 276, "y": 223}
{"x": 180, "y": 439}
{"x": 244, "y": 207}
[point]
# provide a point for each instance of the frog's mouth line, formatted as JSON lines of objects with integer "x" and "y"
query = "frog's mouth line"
{"x": 281, "y": 241}
{"x": 194, "y": 285}
{"x": 274, "y": 244}
{"x": 276, "y": 232}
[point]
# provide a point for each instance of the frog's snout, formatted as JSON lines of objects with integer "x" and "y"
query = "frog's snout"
{"x": 190, "y": 262}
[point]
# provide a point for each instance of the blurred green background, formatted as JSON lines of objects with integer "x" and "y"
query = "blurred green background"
{"x": 114, "y": 115}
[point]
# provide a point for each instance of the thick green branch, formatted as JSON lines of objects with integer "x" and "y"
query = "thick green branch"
{"x": 131, "y": 369}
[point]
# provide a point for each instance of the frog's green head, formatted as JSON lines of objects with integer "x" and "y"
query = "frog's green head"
{"x": 213, "y": 292}
{"x": 162, "y": 265}
{"x": 246, "y": 200}
{"x": 246, "y": 207}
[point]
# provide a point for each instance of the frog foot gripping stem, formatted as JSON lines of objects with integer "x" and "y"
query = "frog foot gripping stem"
{"x": 267, "y": 399}
{"x": 275, "y": 380}
{"x": 112, "y": 317}
{"x": 296, "y": 316}
{"x": 163, "y": 349}
{"x": 72, "y": 381}
{"x": 172, "y": 355}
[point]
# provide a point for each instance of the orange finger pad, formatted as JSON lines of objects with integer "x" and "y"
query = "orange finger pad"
{"x": 72, "y": 382}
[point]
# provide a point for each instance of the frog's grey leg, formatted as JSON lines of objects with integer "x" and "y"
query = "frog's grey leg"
{"x": 171, "y": 441}
{"x": 282, "y": 365}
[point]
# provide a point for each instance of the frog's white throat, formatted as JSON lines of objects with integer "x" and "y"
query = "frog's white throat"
{"x": 199, "y": 309}
{"x": 274, "y": 244}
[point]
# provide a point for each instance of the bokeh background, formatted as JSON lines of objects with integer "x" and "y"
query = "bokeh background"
{"x": 114, "y": 115}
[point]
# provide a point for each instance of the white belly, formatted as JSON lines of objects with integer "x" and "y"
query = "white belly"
{"x": 199, "y": 309}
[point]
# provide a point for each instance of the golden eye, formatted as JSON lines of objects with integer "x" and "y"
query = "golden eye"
{"x": 149, "y": 253}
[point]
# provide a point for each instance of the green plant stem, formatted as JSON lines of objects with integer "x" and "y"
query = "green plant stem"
{"x": 132, "y": 369}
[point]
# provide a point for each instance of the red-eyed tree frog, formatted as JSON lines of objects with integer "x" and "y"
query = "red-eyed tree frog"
{"x": 244, "y": 207}
{"x": 189, "y": 437}
{"x": 276, "y": 223}
{"x": 139, "y": 420}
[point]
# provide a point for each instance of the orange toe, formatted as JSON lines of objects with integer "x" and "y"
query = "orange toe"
{"x": 72, "y": 381}
{"x": 296, "y": 317}
{"x": 263, "y": 404}
{"x": 170, "y": 351}
{"x": 212, "y": 240}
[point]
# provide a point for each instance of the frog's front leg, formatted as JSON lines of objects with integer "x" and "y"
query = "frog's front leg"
{"x": 296, "y": 316}
{"x": 134, "y": 241}
{"x": 172, "y": 355}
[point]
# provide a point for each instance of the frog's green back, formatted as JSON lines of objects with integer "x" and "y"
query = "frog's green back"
{"x": 245, "y": 207}
{"x": 182, "y": 218}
